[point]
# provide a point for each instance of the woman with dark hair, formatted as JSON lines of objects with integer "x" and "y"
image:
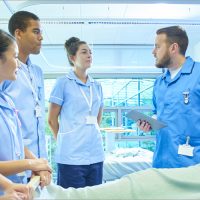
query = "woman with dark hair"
{"x": 12, "y": 154}
{"x": 77, "y": 100}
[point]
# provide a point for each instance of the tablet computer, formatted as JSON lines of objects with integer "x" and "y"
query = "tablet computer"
{"x": 155, "y": 124}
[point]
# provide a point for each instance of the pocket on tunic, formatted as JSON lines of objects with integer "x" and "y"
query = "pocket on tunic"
{"x": 65, "y": 141}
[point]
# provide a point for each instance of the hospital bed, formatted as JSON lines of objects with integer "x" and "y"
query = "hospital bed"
{"x": 123, "y": 161}
{"x": 182, "y": 183}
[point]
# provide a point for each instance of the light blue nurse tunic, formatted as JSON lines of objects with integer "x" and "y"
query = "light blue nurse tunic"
{"x": 26, "y": 91}
{"x": 11, "y": 142}
{"x": 78, "y": 143}
{"x": 182, "y": 116}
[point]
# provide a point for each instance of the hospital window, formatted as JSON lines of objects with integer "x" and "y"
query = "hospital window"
{"x": 120, "y": 96}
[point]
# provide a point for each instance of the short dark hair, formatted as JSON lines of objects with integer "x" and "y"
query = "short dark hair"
{"x": 176, "y": 34}
{"x": 20, "y": 20}
{"x": 71, "y": 46}
{"x": 5, "y": 41}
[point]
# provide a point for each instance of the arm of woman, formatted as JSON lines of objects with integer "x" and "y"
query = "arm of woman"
{"x": 29, "y": 154}
{"x": 4, "y": 182}
{"x": 99, "y": 117}
{"x": 15, "y": 191}
{"x": 36, "y": 164}
{"x": 54, "y": 111}
{"x": 16, "y": 166}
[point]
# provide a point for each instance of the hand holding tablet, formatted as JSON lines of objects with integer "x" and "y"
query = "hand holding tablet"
{"x": 155, "y": 124}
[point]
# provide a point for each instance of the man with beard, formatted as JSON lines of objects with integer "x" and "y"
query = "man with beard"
{"x": 176, "y": 98}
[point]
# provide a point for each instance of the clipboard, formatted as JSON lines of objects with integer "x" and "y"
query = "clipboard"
{"x": 136, "y": 115}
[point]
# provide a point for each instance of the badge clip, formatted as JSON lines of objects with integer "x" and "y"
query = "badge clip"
{"x": 187, "y": 140}
{"x": 186, "y": 97}
{"x": 38, "y": 111}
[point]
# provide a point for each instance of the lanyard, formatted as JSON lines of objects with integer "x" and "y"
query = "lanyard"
{"x": 30, "y": 83}
{"x": 89, "y": 103}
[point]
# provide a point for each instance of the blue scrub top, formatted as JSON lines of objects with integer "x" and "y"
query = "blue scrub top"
{"x": 182, "y": 119}
{"x": 33, "y": 128}
{"x": 11, "y": 142}
{"x": 77, "y": 142}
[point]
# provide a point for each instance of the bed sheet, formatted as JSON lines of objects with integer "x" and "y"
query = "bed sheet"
{"x": 124, "y": 161}
{"x": 182, "y": 183}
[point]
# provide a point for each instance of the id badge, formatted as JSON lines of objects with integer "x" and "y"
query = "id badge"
{"x": 91, "y": 120}
{"x": 185, "y": 150}
{"x": 38, "y": 111}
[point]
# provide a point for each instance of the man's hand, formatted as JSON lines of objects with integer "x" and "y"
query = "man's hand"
{"x": 45, "y": 177}
{"x": 143, "y": 125}
{"x": 39, "y": 164}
